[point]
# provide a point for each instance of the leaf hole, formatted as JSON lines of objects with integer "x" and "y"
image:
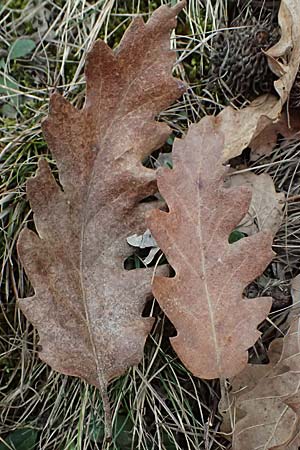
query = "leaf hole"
{"x": 235, "y": 236}
{"x": 134, "y": 261}
{"x": 150, "y": 198}
{"x": 150, "y": 308}
{"x": 242, "y": 160}
{"x": 162, "y": 324}
{"x": 160, "y": 157}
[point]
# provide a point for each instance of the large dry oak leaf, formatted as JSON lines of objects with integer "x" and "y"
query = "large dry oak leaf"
{"x": 87, "y": 308}
{"x": 215, "y": 324}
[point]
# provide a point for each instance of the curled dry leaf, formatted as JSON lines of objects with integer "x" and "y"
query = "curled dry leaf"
{"x": 250, "y": 121}
{"x": 243, "y": 383}
{"x": 145, "y": 240}
{"x": 288, "y": 126}
{"x": 87, "y": 308}
{"x": 266, "y": 415}
{"x": 211, "y": 274}
{"x": 295, "y": 291}
{"x": 284, "y": 57}
{"x": 266, "y": 207}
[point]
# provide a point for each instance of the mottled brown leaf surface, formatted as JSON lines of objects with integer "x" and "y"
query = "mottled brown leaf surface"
{"x": 86, "y": 307}
{"x": 294, "y": 444}
{"x": 204, "y": 300}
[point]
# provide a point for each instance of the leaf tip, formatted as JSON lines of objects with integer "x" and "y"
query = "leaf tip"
{"x": 179, "y": 6}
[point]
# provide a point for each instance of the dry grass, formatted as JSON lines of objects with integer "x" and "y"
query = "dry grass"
{"x": 157, "y": 405}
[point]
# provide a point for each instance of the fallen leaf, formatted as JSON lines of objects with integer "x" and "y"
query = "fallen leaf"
{"x": 288, "y": 126}
{"x": 293, "y": 444}
{"x": 87, "y": 308}
{"x": 264, "y": 419}
{"x": 20, "y": 439}
{"x": 211, "y": 274}
{"x": 242, "y": 383}
{"x": 262, "y": 410}
{"x": 266, "y": 207}
{"x": 295, "y": 291}
{"x": 164, "y": 159}
{"x": 21, "y": 48}
{"x": 144, "y": 240}
{"x": 284, "y": 57}
{"x": 249, "y": 121}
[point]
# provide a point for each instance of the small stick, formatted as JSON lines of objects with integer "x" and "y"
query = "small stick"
{"x": 294, "y": 198}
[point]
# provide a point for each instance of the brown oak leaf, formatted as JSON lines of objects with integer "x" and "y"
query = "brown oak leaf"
{"x": 87, "y": 308}
{"x": 204, "y": 300}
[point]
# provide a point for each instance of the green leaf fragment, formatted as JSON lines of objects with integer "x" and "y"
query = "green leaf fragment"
{"x": 235, "y": 236}
{"x": 21, "y": 48}
{"x": 22, "y": 439}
